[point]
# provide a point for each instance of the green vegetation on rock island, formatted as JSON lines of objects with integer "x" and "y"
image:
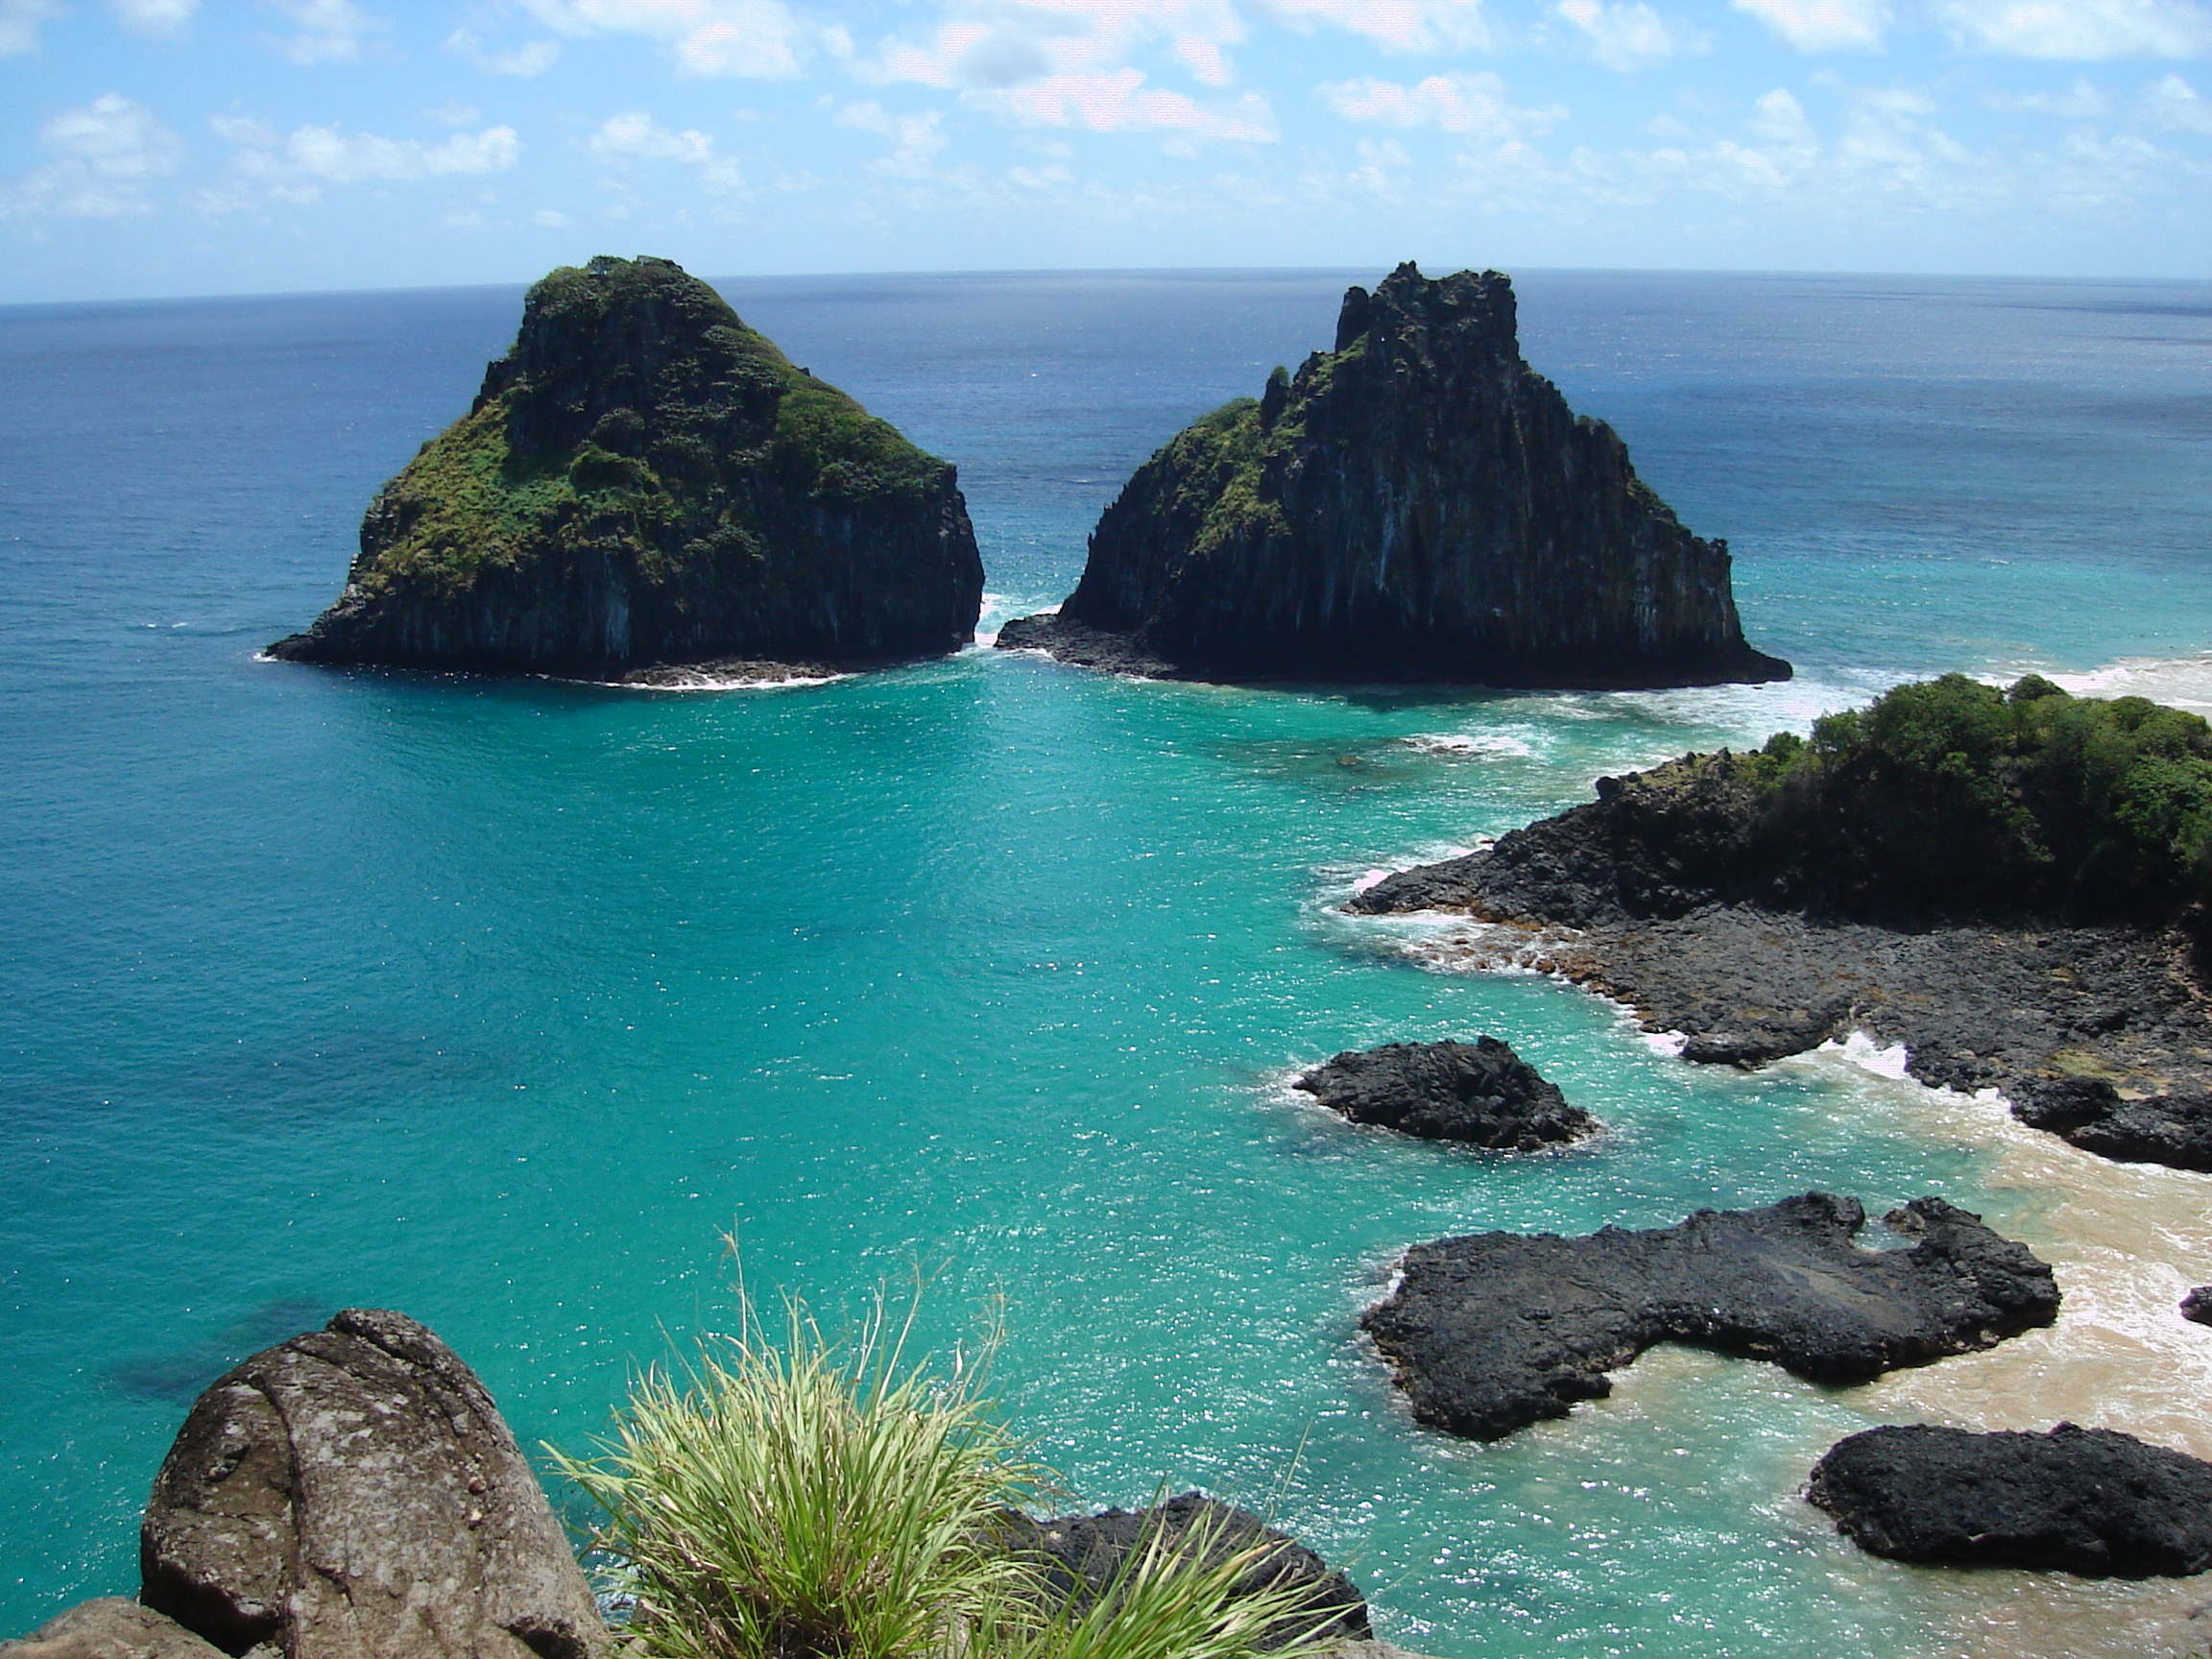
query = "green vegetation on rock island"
{"x": 642, "y": 480}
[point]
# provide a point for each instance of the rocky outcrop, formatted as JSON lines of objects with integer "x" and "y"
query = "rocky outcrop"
{"x": 354, "y": 1491}
{"x": 2197, "y": 1306}
{"x": 2085, "y": 1500}
{"x": 1415, "y": 504}
{"x": 110, "y": 1628}
{"x": 2014, "y": 917}
{"x": 1480, "y": 1093}
{"x": 644, "y": 480}
{"x": 1493, "y": 1331}
{"x": 1083, "y": 1554}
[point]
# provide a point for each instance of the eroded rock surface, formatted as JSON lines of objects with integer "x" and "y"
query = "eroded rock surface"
{"x": 110, "y": 1628}
{"x": 354, "y": 1492}
{"x": 1415, "y": 504}
{"x": 1492, "y": 1332}
{"x": 1480, "y": 1093}
{"x": 1082, "y": 1554}
{"x": 644, "y": 480}
{"x": 2086, "y": 1500}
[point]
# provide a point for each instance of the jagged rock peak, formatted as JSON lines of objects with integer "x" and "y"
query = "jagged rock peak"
{"x": 645, "y": 480}
{"x": 1415, "y": 504}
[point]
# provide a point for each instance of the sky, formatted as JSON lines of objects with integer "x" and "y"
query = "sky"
{"x": 177, "y": 147}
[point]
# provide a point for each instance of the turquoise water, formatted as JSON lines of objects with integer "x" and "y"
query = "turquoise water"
{"x": 500, "y": 1002}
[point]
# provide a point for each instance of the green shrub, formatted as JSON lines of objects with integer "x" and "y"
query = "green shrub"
{"x": 810, "y": 1498}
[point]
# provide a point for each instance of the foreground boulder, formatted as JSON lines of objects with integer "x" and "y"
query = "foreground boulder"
{"x": 1493, "y": 1331}
{"x": 2086, "y": 1500}
{"x": 354, "y": 1492}
{"x": 1480, "y": 1093}
{"x": 110, "y": 1628}
{"x": 1416, "y": 504}
{"x": 1082, "y": 1555}
{"x": 644, "y": 480}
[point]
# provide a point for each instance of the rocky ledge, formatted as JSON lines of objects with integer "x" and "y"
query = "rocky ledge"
{"x": 644, "y": 480}
{"x": 1082, "y": 1555}
{"x": 1480, "y": 1093}
{"x": 2005, "y": 883}
{"x": 1493, "y": 1331}
{"x": 1415, "y": 504}
{"x": 2086, "y": 1500}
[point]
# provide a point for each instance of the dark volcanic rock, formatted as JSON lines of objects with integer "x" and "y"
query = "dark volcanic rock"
{"x": 1083, "y": 1553}
{"x": 644, "y": 480}
{"x": 1481, "y": 1093}
{"x": 1493, "y": 1331}
{"x": 354, "y": 1491}
{"x": 2197, "y": 1306}
{"x": 110, "y": 1628}
{"x": 1416, "y": 504}
{"x": 2085, "y": 1500}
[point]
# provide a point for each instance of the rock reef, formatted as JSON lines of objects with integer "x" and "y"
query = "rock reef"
{"x": 1416, "y": 504}
{"x": 1083, "y": 1554}
{"x": 1479, "y": 1093}
{"x": 2090, "y": 1502}
{"x": 1493, "y": 1331}
{"x": 1987, "y": 910}
{"x": 644, "y": 480}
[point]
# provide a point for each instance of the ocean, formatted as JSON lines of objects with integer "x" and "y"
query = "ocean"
{"x": 506, "y": 1002}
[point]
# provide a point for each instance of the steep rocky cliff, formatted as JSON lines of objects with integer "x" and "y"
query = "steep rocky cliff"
{"x": 1417, "y": 504}
{"x": 644, "y": 479}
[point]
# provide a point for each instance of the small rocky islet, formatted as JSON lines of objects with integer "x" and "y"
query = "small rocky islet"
{"x": 645, "y": 482}
{"x": 1479, "y": 1093}
{"x": 1416, "y": 504}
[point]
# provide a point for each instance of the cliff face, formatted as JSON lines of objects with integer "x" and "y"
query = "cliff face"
{"x": 1417, "y": 504}
{"x": 644, "y": 479}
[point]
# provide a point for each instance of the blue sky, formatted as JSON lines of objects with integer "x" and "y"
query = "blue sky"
{"x": 152, "y": 147}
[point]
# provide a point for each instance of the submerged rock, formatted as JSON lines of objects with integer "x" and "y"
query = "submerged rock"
{"x": 2085, "y": 1500}
{"x": 1082, "y": 1554}
{"x": 354, "y": 1491}
{"x": 1415, "y": 504}
{"x": 644, "y": 480}
{"x": 1492, "y": 1332}
{"x": 1480, "y": 1093}
{"x": 110, "y": 1628}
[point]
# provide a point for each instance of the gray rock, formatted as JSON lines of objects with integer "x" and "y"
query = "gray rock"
{"x": 110, "y": 1628}
{"x": 354, "y": 1494}
{"x": 2085, "y": 1500}
{"x": 1493, "y": 1331}
{"x": 1479, "y": 1093}
{"x": 1082, "y": 1554}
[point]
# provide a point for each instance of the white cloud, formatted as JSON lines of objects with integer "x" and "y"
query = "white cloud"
{"x": 1475, "y": 104}
{"x": 452, "y": 113}
{"x": 1622, "y": 36}
{"x": 745, "y": 38}
{"x": 914, "y": 138}
{"x": 156, "y": 16}
{"x": 1118, "y": 101}
{"x": 624, "y": 140}
{"x": 550, "y": 219}
{"x": 19, "y": 21}
{"x": 329, "y": 31}
{"x": 1824, "y": 25}
{"x": 295, "y": 168}
{"x": 2082, "y": 29}
{"x": 2173, "y": 103}
{"x": 1399, "y": 25}
{"x": 2081, "y": 101}
{"x": 531, "y": 58}
{"x": 105, "y": 156}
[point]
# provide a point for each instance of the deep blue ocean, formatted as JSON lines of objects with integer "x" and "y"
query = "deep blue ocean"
{"x": 501, "y": 1003}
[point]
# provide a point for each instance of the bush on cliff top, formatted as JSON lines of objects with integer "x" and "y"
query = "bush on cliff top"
{"x": 816, "y": 1498}
{"x": 2092, "y": 804}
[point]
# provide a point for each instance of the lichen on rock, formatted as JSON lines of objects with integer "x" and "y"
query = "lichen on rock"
{"x": 1416, "y": 504}
{"x": 645, "y": 480}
